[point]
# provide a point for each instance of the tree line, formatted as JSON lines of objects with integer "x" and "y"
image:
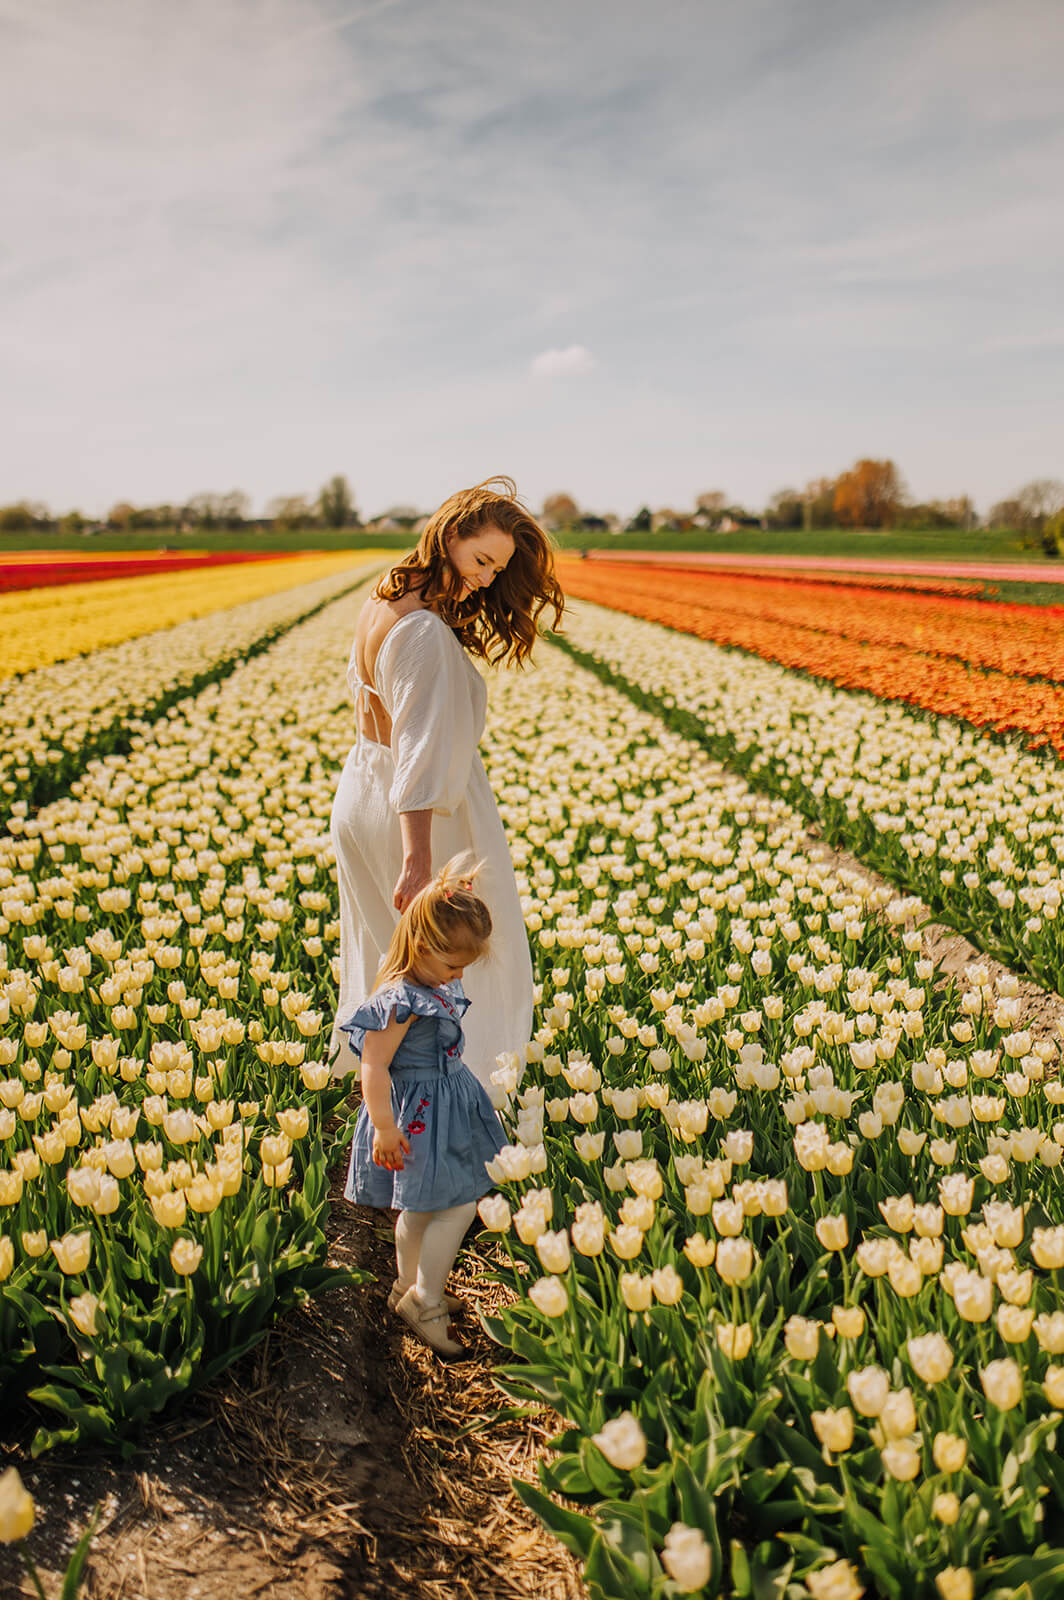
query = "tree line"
{"x": 332, "y": 507}
{"x": 870, "y": 494}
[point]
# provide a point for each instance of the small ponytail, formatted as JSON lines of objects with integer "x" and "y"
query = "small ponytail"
{"x": 447, "y": 916}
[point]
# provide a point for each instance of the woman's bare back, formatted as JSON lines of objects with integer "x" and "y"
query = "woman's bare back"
{"x": 376, "y": 620}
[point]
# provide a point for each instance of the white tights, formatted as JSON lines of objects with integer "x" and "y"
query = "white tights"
{"x": 426, "y": 1243}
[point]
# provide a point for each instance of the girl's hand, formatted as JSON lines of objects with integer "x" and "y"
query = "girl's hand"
{"x": 389, "y": 1147}
{"x": 412, "y": 879}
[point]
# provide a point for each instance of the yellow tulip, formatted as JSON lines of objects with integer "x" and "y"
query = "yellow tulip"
{"x": 16, "y": 1507}
{"x": 73, "y": 1252}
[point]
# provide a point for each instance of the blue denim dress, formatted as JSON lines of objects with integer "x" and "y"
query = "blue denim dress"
{"x": 439, "y": 1105}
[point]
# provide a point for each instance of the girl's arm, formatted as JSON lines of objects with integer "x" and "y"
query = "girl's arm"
{"x": 416, "y": 830}
{"x": 389, "y": 1143}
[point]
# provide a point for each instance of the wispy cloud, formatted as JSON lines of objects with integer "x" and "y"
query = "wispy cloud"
{"x": 571, "y": 362}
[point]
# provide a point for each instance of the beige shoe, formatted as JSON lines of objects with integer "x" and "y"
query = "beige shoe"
{"x": 430, "y": 1324}
{"x": 453, "y": 1302}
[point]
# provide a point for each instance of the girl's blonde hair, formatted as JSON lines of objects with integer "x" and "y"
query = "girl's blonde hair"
{"x": 497, "y": 623}
{"x": 445, "y": 918}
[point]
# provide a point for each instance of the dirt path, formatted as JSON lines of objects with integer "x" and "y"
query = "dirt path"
{"x": 328, "y": 1465}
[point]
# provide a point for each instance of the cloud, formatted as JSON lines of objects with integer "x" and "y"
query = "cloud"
{"x": 571, "y": 362}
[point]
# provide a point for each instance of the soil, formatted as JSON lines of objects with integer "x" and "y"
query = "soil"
{"x": 340, "y": 1459}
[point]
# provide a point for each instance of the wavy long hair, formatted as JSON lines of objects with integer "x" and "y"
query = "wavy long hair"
{"x": 446, "y": 918}
{"x": 498, "y": 623}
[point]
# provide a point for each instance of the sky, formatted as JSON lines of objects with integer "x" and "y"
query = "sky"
{"x": 630, "y": 252}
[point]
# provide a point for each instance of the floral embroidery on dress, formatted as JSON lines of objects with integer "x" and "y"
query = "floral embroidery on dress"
{"x": 416, "y": 1125}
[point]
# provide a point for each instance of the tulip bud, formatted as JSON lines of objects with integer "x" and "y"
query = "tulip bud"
{"x": 687, "y": 1558}
{"x": 16, "y": 1507}
{"x": 622, "y": 1441}
{"x": 868, "y": 1388}
{"x": 735, "y": 1339}
{"x": 637, "y": 1291}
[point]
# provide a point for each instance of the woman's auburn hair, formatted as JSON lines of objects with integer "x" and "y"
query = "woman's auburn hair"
{"x": 498, "y": 623}
{"x": 445, "y": 918}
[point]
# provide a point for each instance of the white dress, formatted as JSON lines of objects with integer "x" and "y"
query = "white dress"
{"x": 437, "y": 701}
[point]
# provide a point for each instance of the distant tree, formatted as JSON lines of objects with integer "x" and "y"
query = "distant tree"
{"x": 290, "y": 513}
{"x": 336, "y": 505}
{"x": 122, "y": 515}
{"x": 560, "y": 511}
{"x": 870, "y": 495}
{"x": 925, "y": 514}
{"x": 1006, "y": 514}
{"x": 1032, "y": 512}
{"x": 711, "y": 504}
{"x": 961, "y": 511}
{"x": 956, "y": 513}
{"x": 1041, "y": 499}
{"x": 1053, "y": 535}
{"x": 23, "y": 516}
{"x": 218, "y": 510}
{"x": 784, "y": 509}
{"x": 818, "y": 503}
{"x": 640, "y": 523}
{"x": 71, "y": 522}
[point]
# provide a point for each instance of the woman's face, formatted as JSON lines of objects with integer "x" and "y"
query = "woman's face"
{"x": 479, "y": 558}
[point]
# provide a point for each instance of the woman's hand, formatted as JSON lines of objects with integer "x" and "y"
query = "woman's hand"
{"x": 415, "y": 875}
{"x": 389, "y": 1148}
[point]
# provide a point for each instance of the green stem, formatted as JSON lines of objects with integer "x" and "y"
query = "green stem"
{"x": 32, "y": 1570}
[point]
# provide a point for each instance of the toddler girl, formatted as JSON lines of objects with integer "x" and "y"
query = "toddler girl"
{"x": 426, "y": 1126}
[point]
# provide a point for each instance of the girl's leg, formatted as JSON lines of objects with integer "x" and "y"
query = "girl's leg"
{"x": 440, "y": 1242}
{"x": 409, "y": 1232}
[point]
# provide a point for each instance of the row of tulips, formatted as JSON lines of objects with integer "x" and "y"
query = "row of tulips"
{"x": 56, "y": 719}
{"x": 912, "y": 648}
{"x": 43, "y": 626}
{"x": 781, "y": 1213}
{"x": 970, "y": 824}
{"x": 42, "y": 571}
{"x": 702, "y": 561}
{"x": 166, "y": 977}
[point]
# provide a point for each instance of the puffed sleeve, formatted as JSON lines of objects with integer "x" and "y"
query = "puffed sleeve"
{"x": 423, "y": 683}
{"x": 373, "y": 1016}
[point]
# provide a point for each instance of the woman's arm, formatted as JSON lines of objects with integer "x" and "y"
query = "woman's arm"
{"x": 416, "y": 830}
{"x": 389, "y": 1144}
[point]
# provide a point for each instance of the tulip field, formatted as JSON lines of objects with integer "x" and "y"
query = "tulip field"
{"x": 1000, "y": 667}
{"x": 68, "y": 707}
{"x": 165, "y": 987}
{"x": 41, "y": 626}
{"x": 780, "y": 1217}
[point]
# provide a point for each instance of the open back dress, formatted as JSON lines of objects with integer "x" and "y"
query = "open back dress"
{"x": 436, "y": 700}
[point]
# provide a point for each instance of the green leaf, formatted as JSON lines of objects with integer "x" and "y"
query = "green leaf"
{"x": 741, "y": 1575}
{"x": 76, "y": 1564}
{"x": 575, "y": 1532}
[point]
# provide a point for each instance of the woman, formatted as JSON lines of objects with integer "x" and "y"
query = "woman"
{"x": 413, "y": 791}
